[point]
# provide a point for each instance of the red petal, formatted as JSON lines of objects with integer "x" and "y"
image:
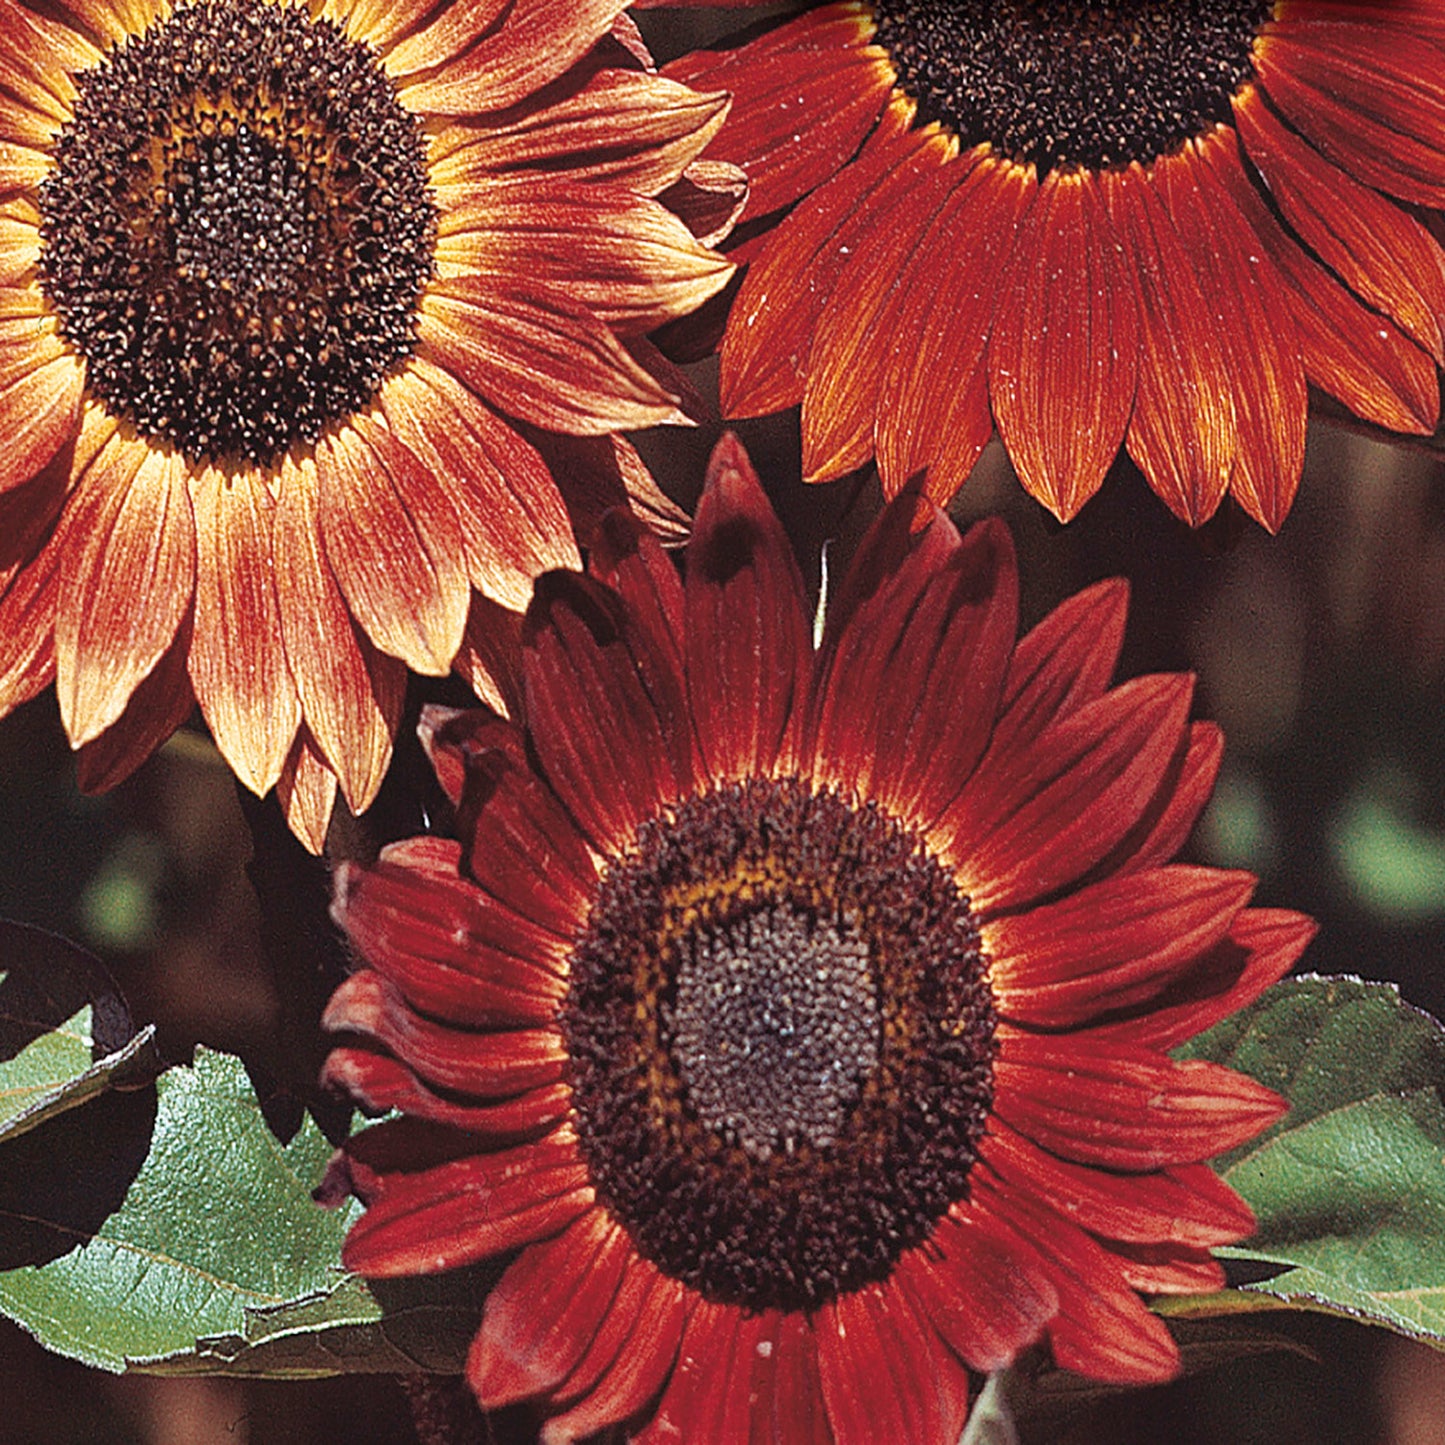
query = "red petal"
{"x": 1064, "y": 662}
{"x": 1120, "y": 1107}
{"x": 709, "y": 1398}
{"x": 1063, "y": 357}
{"x": 771, "y": 326}
{"x": 629, "y": 559}
{"x": 805, "y": 94}
{"x": 961, "y": 614}
{"x": 546, "y": 1310}
{"x": 1162, "y": 838}
{"x": 128, "y": 548}
{"x": 469, "y": 1209}
{"x": 1350, "y": 351}
{"x": 924, "y": 421}
{"x": 1370, "y": 103}
{"x": 607, "y": 714}
{"x": 749, "y": 652}
{"x": 855, "y": 331}
{"x": 482, "y": 1065}
{"x": 1263, "y": 945}
{"x": 1266, "y": 375}
{"x": 1102, "y": 1329}
{"x": 522, "y": 848}
{"x": 1187, "y": 1204}
{"x": 1164, "y": 1269}
{"x": 1113, "y": 945}
{"x": 1384, "y": 255}
{"x": 451, "y": 952}
{"x": 380, "y": 1082}
{"x": 887, "y": 1375}
{"x": 1182, "y": 433}
{"x": 982, "y": 1287}
{"x": 628, "y": 1361}
{"x": 238, "y": 661}
{"x": 1020, "y": 830}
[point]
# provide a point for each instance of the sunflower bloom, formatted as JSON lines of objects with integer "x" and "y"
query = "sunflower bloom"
{"x": 800, "y": 1016}
{"x": 1087, "y": 226}
{"x": 276, "y": 282}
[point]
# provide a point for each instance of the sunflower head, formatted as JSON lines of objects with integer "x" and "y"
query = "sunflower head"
{"x": 798, "y": 1009}
{"x": 280, "y": 285}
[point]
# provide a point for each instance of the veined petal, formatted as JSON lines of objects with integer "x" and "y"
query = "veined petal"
{"x": 393, "y": 542}
{"x": 1182, "y": 433}
{"x": 238, "y": 659}
{"x": 128, "y": 571}
{"x": 1063, "y": 354}
{"x": 350, "y": 693}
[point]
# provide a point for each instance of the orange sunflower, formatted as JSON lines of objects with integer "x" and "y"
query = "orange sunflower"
{"x": 1146, "y": 223}
{"x": 275, "y": 282}
{"x": 798, "y": 1018}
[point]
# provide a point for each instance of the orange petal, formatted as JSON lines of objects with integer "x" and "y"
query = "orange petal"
{"x": 1063, "y": 356}
{"x": 778, "y": 305}
{"x": 161, "y": 703}
{"x": 537, "y": 41}
{"x": 513, "y": 520}
{"x": 563, "y": 370}
{"x": 128, "y": 570}
{"x": 238, "y": 663}
{"x": 490, "y": 658}
{"x": 40, "y": 399}
{"x": 351, "y": 694}
{"x": 1380, "y": 252}
{"x": 1261, "y": 345}
{"x": 620, "y": 257}
{"x": 636, "y": 130}
{"x": 933, "y": 407}
{"x": 27, "y": 625}
{"x": 306, "y": 791}
{"x": 859, "y": 319}
{"x": 393, "y": 541}
{"x": 1182, "y": 433}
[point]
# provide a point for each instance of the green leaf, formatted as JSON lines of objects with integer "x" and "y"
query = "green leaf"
{"x": 65, "y": 1034}
{"x": 55, "y": 1074}
{"x": 400, "y": 1326}
{"x": 218, "y": 1220}
{"x": 1349, "y": 1188}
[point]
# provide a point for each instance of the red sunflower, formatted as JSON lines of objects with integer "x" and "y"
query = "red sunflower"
{"x": 276, "y": 282}
{"x": 801, "y": 1015}
{"x": 1087, "y": 226}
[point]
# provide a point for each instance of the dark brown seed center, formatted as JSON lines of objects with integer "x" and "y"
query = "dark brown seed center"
{"x": 237, "y": 228}
{"x": 781, "y": 1038}
{"x": 1069, "y": 83}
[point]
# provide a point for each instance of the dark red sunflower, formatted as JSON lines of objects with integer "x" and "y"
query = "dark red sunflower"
{"x": 1146, "y": 223}
{"x": 278, "y": 281}
{"x": 801, "y": 1015}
